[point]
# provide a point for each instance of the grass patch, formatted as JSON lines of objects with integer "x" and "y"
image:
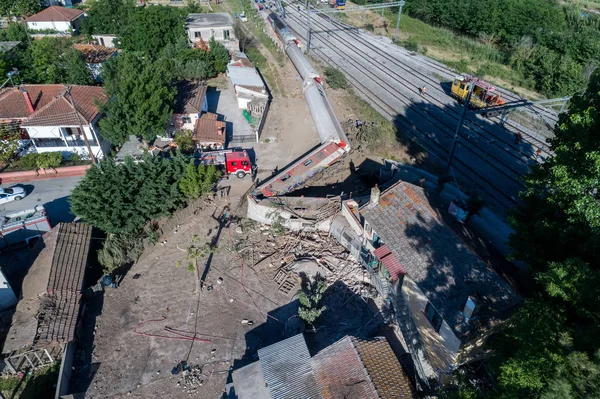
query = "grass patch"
{"x": 40, "y": 383}
{"x": 335, "y": 78}
{"x": 466, "y": 55}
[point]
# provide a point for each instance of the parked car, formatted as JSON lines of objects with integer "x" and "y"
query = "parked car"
{"x": 243, "y": 18}
{"x": 15, "y": 193}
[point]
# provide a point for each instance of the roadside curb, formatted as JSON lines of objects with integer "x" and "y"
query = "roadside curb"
{"x": 28, "y": 175}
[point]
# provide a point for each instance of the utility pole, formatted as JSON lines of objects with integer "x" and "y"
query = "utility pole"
{"x": 87, "y": 143}
{"x": 398, "y": 21}
{"x": 309, "y": 30}
{"x": 460, "y": 123}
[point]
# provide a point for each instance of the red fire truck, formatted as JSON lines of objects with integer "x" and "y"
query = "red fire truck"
{"x": 231, "y": 162}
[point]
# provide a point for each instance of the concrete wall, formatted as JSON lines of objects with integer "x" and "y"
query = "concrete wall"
{"x": 66, "y": 369}
{"x": 441, "y": 347}
{"x": 268, "y": 215}
{"x": 106, "y": 40}
{"x": 8, "y": 298}
{"x": 218, "y": 33}
{"x": 58, "y": 26}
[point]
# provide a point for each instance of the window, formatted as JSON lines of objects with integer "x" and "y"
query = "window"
{"x": 197, "y": 35}
{"x": 233, "y": 163}
{"x": 284, "y": 178}
{"x": 462, "y": 86}
{"x": 244, "y": 163}
{"x": 71, "y": 131}
{"x": 186, "y": 119}
{"x": 433, "y": 316}
{"x": 307, "y": 162}
{"x": 226, "y": 34}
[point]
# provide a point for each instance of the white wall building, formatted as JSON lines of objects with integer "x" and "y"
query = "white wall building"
{"x": 52, "y": 122}
{"x": 58, "y": 19}
{"x": 202, "y": 27}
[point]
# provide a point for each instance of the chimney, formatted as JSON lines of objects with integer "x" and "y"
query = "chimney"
{"x": 28, "y": 101}
{"x": 374, "y": 195}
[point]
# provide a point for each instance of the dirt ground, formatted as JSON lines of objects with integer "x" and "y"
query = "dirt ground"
{"x": 134, "y": 353}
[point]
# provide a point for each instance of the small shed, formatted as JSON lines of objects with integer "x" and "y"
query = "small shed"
{"x": 210, "y": 133}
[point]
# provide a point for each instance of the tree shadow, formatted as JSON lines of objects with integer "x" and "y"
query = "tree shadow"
{"x": 59, "y": 210}
{"x": 212, "y": 98}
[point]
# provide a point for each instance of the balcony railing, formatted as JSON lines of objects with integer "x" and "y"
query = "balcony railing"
{"x": 43, "y": 142}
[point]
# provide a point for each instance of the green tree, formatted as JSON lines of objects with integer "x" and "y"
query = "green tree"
{"x": 142, "y": 94}
{"x": 22, "y": 8}
{"x": 122, "y": 198}
{"x": 183, "y": 139}
{"x": 13, "y": 32}
{"x": 151, "y": 28}
{"x": 219, "y": 55}
{"x": 9, "y": 142}
{"x": 550, "y": 348}
{"x": 120, "y": 249}
{"x": 310, "y": 299}
{"x": 46, "y": 56}
{"x": 107, "y": 16}
{"x": 197, "y": 180}
{"x": 76, "y": 70}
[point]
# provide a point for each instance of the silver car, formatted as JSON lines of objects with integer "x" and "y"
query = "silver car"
{"x": 15, "y": 193}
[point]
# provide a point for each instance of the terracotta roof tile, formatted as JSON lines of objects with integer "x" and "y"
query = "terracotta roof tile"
{"x": 384, "y": 369}
{"x": 341, "y": 374}
{"x": 93, "y": 54}
{"x": 57, "y": 111}
{"x": 55, "y": 13}
{"x": 12, "y": 101}
{"x": 190, "y": 97}
{"x": 207, "y": 129}
{"x": 65, "y": 282}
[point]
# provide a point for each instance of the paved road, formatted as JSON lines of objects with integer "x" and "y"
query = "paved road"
{"x": 52, "y": 193}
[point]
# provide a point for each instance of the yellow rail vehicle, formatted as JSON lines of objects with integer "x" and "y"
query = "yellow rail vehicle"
{"x": 484, "y": 94}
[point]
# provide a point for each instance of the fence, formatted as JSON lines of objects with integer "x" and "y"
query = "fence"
{"x": 263, "y": 119}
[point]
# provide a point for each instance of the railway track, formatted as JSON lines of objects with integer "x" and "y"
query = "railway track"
{"x": 438, "y": 149}
{"x": 475, "y": 122}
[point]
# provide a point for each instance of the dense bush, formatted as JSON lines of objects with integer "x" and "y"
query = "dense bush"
{"x": 335, "y": 78}
{"x": 552, "y": 47}
{"x": 122, "y": 198}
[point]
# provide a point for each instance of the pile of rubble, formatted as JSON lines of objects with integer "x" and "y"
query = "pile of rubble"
{"x": 191, "y": 379}
{"x": 284, "y": 255}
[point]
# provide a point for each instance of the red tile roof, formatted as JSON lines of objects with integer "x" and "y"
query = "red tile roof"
{"x": 50, "y": 106}
{"x": 390, "y": 262}
{"x": 55, "y": 13}
{"x": 190, "y": 97}
{"x": 384, "y": 369}
{"x": 341, "y": 374}
{"x": 207, "y": 129}
{"x": 58, "y": 320}
{"x": 12, "y": 101}
{"x": 356, "y": 369}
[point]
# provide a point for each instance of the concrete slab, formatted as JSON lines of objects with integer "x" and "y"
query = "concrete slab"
{"x": 224, "y": 103}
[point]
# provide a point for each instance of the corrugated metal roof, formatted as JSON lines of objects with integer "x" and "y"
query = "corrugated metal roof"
{"x": 286, "y": 366}
{"x": 244, "y": 76}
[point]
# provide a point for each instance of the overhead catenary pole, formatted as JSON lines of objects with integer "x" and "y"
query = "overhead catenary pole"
{"x": 77, "y": 115}
{"x": 459, "y": 126}
{"x": 398, "y": 22}
{"x": 309, "y": 30}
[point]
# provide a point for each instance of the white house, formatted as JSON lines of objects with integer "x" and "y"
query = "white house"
{"x": 190, "y": 102}
{"x": 201, "y": 27}
{"x": 57, "y": 19}
{"x": 54, "y": 119}
{"x": 247, "y": 82}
